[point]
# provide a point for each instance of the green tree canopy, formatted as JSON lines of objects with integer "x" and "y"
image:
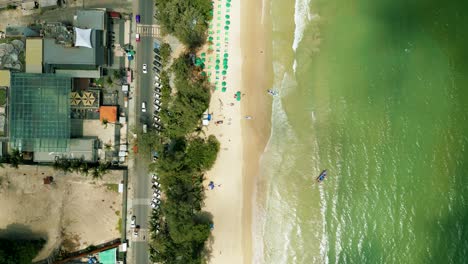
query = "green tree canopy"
{"x": 187, "y": 20}
{"x": 19, "y": 251}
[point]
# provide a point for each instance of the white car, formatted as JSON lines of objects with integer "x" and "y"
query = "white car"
{"x": 135, "y": 231}
{"x": 132, "y": 225}
{"x": 156, "y": 102}
{"x": 145, "y": 68}
{"x": 157, "y": 108}
{"x": 156, "y": 78}
{"x": 156, "y": 95}
{"x": 153, "y": 205}
{"x": 157, "y": 119}
{"x": 143, "y": 107}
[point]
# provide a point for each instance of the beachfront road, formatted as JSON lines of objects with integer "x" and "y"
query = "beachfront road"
{"x": 142, "y": 188}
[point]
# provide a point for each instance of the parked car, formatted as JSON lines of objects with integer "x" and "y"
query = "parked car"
{"x": 145, "y": 68}
{"x": 156, "y": 95}
{"x": 157, "y": 64}
{"x": 157, "y": 119}
{"x": 156, "y": 70}
{"x": 137, "y": 37}
{"x": 157, "y": 108}
{"x": 132, "y": 224}
{"x": 156, "y": 78}
{"x": 157, "y": 102}
{"x": 157, "y": 90}
{"x": 137, "y": 18}
{"x": 156, "y": 51}
{"x": 136, "y": 230}
{"x": 158, "y": 127}
{"x": 143, "y": 107}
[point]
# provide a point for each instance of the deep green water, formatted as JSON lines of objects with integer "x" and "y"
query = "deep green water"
{"x": 380, "y": 99}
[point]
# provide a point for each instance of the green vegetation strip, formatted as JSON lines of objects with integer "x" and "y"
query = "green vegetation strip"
{"x": 3, "y": 96}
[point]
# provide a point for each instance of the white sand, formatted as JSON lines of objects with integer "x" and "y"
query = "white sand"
{"x": 225, "y": 202}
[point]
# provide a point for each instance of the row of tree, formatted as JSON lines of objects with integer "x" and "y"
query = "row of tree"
{"x": 97, "y": 169}
{"x": 183, "y": 227}
{"x": 180, "y": 229}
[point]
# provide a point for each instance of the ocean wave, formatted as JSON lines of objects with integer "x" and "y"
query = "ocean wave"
{"x": 302, "y": 16}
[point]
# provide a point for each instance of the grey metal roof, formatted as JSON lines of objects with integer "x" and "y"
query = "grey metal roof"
{"x": 79, "y": 148}
{"x": 58, "y": 54}
{"x": 95, "y": 19}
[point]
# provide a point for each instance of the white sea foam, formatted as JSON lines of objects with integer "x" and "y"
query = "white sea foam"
{"x": 302, "y": 16}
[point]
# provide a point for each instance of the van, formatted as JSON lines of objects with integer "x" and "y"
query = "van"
{"x": 145, "y": 128}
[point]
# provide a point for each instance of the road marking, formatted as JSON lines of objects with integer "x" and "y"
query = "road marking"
{"x": 149, "y": 30}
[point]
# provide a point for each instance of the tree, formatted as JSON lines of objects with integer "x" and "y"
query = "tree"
{"x": 187, "y": 20}
{"x": 165, "y": 51}
{"x": 19, "y": 251}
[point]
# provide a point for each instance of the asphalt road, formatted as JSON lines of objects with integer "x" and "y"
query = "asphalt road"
{"x": 142, "y": 187}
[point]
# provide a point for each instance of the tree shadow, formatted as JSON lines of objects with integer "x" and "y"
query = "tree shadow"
{"x": 21, "y": 232}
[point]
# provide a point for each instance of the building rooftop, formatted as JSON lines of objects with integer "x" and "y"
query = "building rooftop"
{"x": 34, "y": 55}
{"x": 5, "y": 78}
{"x": 39, "y": 118}
{"x": 108, "y": 113}
{"x": 56, "y": 54}
{"x": 92, "y": 18}
{"x": 79, "y": 148}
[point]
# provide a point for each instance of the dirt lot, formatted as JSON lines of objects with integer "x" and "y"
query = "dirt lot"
{"x": 76, "y": 211}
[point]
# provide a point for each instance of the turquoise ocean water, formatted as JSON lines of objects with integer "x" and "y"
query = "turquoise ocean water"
{"x": 377, "y": 93}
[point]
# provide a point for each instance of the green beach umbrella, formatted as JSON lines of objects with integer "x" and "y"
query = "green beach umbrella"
{"x": 203, "y": 73}
{"x": 217, "y": 67}
{"x": 228, "y": 5}
{"x": 227, "y": 16}
{"x": 223, "y": 83}
{"x": 226, "y": 27}
{"x": 228, "y": 22}
{"x": 217, "y": 61}
{"x": 225, "y": 61}
{"x": 223, "y": 73}
{"x": 203, "y": 54}
{"x": 223, "y": 90}
{"x": 226, "y": 55}
{"x": 210, "y": 38}
{"x": 225, "y": 66}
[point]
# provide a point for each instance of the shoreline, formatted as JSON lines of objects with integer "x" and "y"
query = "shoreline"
{"x": 257, "y": 77}
{"x": 242, "y": 142}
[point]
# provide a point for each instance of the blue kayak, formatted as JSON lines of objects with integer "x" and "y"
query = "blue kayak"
{"x": 322, "y": 176}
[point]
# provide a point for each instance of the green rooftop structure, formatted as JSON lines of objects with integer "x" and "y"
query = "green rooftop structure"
{"x": 39, "y": 118}
{"x": 108, "y": 256}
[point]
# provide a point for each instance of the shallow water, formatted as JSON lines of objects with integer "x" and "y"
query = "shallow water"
{"x": 375, "y": 92}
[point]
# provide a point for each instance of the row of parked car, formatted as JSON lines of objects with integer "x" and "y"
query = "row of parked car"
{"x": 157, "y": 67}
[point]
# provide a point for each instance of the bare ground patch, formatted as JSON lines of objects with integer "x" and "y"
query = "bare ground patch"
{"x": 76, "y": 211}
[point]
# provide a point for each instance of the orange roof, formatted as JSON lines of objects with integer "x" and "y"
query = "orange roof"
{"x": 109, "y": 113}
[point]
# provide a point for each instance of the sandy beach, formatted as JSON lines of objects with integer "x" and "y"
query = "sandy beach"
{"x": 242, "y": 140}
